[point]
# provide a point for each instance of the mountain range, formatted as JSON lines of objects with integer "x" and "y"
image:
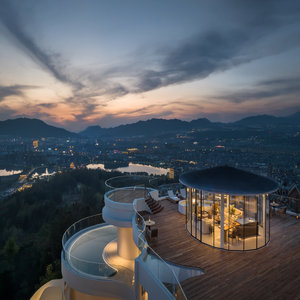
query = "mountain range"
{"x": 162, "y": 126}
{"x": 25, "y": 127}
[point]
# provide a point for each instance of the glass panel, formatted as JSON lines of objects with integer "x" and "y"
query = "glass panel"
{"x": 261, "y": 210}
{"x": 227, "y": 221}
{"x": 163, "y": 273}
{"x": 250, "y": 222}
{"x": 217, "y": 220}
{"x": 236, "y": 212}
{"x": 267, "y": 200}
{"x": 207, "y": 218}
{"x": 188, "y": 214}
{"x": 155, "y": 264}
{"x": 194, "y": 212}
{"x": 83, "y": 261}
{"x": 199, "y": 214}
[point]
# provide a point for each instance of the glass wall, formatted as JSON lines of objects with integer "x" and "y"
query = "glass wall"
{"x": 226, "y": 221}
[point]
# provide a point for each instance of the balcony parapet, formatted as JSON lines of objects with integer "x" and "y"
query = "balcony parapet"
{"x": 118, "y": 209}
{"x": 84, "y": 267}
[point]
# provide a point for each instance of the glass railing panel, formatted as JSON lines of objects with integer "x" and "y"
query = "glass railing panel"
{"x": 156, "y": 264}
{"x": 77, "y": 251}
{"x": 161, "y": 271}
{"x": 128, "y": 194}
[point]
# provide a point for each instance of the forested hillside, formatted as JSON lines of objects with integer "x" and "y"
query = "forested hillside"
{"x": 32, "y": 223}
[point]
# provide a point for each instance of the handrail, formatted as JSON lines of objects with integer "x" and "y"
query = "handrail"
{"x": 282, "y": 197}
{"x": 143, "y": 178}
{"x": 141, "y": 237}
{"x": 132, "y": 193}
{"x": 85, "y": 265}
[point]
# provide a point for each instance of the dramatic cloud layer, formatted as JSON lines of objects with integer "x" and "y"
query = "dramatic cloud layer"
{"x": 136, "y": 70}
{"x": 265, "y": 89}
{"x": 14, "y": 90}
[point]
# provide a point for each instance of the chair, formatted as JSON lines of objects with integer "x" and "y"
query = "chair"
{"x": 281, "y": 211}
{"x": 152, "y": 232}
{"x": 173, "y": 198}
{"x": 205, "y": 227}
{"x": 233, "y": 234}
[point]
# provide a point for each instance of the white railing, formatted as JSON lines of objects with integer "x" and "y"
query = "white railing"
{"x": 157, "y": 265}
{"x": 91, "y": 267}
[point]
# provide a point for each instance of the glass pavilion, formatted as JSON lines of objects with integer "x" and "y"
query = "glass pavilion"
{"x": 228, "y": 208}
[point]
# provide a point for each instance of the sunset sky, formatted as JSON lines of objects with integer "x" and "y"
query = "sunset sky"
{"x": 110, "y": 62}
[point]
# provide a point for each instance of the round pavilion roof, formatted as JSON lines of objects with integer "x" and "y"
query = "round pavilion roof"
{"x": 228, "y": 180}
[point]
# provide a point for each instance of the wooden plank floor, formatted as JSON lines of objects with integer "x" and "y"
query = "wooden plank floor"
{"x": 272, "y": 272}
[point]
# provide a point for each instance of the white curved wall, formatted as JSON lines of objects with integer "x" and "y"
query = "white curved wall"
{"x": 126, "y": 246}
{"x": 118, "y": 214}
{"x": 105, "y": 287}
{"x": 55, "y": 283}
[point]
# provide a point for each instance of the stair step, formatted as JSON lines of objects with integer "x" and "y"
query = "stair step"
{"x": 153, "y": 205}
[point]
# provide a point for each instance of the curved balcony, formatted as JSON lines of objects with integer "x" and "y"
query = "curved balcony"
{"x": 118, "y": 209}
{"x": 83, "y": 244}
{"x": 129, "y": 181}
{"x": 86, "y": 265}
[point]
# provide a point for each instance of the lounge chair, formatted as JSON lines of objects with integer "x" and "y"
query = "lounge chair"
{"x": 173, "y": 198}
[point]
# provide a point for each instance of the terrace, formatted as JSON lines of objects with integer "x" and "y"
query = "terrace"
{"x": 89, "y": 256}
{"x": 272, "y": 271}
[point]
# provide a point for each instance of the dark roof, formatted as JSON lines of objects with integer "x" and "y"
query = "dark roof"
{"x": 228, "y": 180}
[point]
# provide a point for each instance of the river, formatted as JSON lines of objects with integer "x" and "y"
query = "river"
{"x": 133, "y": 168}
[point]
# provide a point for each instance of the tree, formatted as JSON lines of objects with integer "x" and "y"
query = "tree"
{"x": 10, "y": 249}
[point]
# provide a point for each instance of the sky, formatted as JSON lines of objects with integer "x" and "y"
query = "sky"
{"x": 78, "y": 63}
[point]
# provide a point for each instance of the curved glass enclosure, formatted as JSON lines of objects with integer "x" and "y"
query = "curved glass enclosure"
{"x": 229, "y": 222}
{"x": 83, "y": 244}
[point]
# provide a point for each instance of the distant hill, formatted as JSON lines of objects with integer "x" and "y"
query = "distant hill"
{"x": 93, "y": 131}
{"x": 148, "y": 128}
{"x": 161, "y": 126}
{"x": 267, "y": 121}
{"x": 25, "y": 127}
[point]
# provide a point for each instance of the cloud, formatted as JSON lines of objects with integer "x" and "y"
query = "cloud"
{"x": 13, "y": 90}
{"x": 50, "y": 62}
{"x": 85, "y": 88}
{"x": 6, "y": 112}
{"x": 48, "y": 105}
{"x": 265, "y": 89}
{"x": 195, "y": 59}
{"x": 211, "y": 50}
{"x": 258, "y": 29}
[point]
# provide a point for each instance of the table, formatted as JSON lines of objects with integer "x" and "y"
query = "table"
{"x": 245, "y": 221}
{"x": 182, "y": 207}
{"x": 274, "y": 205}
{"x": 149, "y": 223}
{"x": 204, "y": 214}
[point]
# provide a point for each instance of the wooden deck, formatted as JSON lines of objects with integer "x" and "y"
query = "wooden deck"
{"x": 272, "y": 272}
